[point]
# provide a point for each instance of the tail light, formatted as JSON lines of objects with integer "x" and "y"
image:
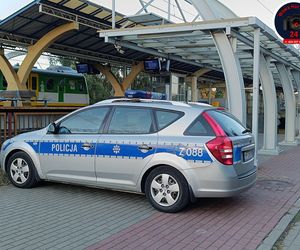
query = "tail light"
{"x": 221, "y": 146}
{"x": 221, "y": 149}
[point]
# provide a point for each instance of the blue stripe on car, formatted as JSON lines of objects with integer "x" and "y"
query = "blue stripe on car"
{"x": 114, "y": 150}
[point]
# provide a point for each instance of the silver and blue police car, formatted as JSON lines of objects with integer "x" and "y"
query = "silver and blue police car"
{"x": 173, "y": 152}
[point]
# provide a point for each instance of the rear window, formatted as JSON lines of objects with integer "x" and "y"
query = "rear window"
{"x": 231, "y": 125}
{"x": 199, "y": 127}
{"x": 165, "y": 118}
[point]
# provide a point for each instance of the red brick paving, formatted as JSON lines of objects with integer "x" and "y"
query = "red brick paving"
{"x": 234, "y": 223}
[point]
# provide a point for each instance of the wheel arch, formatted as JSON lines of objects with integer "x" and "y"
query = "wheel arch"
{"x": 149, "y": 170}
{"x": 25, "y": 148}
{"x": 9, "y": 155}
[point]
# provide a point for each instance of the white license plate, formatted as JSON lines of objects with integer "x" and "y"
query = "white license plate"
{"x": 248, "y": 155}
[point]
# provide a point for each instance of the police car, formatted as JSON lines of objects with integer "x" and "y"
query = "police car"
{"x": 172, "y": 152}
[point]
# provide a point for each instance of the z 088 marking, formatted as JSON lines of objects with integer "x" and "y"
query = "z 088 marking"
{"x": 195, "y": 152}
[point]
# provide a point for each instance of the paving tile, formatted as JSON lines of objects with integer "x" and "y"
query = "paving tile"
{"x": 68, "y": 217}
{"x": 241, "y": 222}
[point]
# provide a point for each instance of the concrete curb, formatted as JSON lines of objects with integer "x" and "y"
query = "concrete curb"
{"x": 280, "y": 228}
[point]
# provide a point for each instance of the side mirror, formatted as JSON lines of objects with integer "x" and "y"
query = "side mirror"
{"x": 52, "y": 129}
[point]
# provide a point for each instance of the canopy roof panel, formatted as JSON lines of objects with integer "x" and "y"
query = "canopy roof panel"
{"x": 29, "y": 24}
{"x": 194, "y": 42}
{"x": 189, "y": 46}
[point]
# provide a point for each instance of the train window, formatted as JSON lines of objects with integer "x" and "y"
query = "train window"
{"x": 4, "y": 83}
{"x": 81, "y": 87}
{"x": 34, "y": 83}
{"x": 72, "y": 85}
{"x": 50, "y": 84}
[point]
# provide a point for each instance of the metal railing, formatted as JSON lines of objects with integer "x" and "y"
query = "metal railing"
{"x": 26, "y": 122}
{"x": 14, "y": 121}
{"x": 3, "y": 127}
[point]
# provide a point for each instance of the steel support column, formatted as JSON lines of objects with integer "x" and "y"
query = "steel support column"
{"x": 36, "y": 50}
{"x": 270, "y": 145}
{"x": 233, "y": 76}
{"x": 229, "y": 59}
{"x": 106, "y": 71}
{"x": 135, "y": 70}
{"x": 255, "y": 103}
{"x": 290, "y": 105}
{"x": 120, "y": 88}
{"x": 194, "y": 81}
{"x": 9, "y": 73}
{"x": 201, "y": 72}
{"x": 113, "y": 14}
{"x": 296, "y": 76}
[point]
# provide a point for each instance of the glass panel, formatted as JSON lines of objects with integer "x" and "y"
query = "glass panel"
{"x": 85, "y": 122}
{"x": 166, "y": 118}
{"x": 131, "y": 121}
{"x": 200, "y": 127}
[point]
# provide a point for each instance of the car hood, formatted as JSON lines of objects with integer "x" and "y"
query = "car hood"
{"x": 30, "y": 136}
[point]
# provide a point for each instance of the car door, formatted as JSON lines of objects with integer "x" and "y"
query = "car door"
{"x": 128, "y": 144}
{"x": 69, "y": 154}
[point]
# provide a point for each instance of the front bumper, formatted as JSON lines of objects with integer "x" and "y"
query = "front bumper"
{"x": 4, "y": 152}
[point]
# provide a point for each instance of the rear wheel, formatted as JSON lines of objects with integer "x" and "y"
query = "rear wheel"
{"x": 21, "y": 171}
{"x": 167, "y": 190}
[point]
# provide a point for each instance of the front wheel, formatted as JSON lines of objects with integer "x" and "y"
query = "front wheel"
{"x": 21, "y": 171}
{"x": 167, "y": 190}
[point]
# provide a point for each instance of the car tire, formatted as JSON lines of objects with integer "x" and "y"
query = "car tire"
{"x": 167, "y": 189}
{"x": 21, "y": 171}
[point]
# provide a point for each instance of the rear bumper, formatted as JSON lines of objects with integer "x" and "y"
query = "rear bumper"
{"x": 223, "y": 187}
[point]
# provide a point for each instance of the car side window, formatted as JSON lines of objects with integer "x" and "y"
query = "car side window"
{"x": 166, "y": 118}
{"x": 85, "y": 122}
{"x": 130, "y": 120}
{"x": 199, "y": 127}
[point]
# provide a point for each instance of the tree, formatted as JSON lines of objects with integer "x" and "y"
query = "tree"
{"x": 99, "y": 88}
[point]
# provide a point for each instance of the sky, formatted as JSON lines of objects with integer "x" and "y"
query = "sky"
{"x": 263, "y": 9}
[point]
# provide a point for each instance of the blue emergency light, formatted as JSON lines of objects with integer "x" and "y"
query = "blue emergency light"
{"x": 144, "y": 95}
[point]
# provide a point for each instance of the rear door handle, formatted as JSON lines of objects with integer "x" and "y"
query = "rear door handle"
{"x": 145, "y": 147}
{"x": 87, "y": 145}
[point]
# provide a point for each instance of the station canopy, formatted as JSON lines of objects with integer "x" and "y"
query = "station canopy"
{"x": 194, "y": 42}
{"x": 189, "y": 46}
{"x": 29, "y": 24}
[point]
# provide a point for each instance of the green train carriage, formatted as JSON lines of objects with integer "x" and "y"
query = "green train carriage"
{"x": 58, "y": 86}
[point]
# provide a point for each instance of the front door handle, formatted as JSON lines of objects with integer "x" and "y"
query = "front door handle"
{"x": 145, "y": 147}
